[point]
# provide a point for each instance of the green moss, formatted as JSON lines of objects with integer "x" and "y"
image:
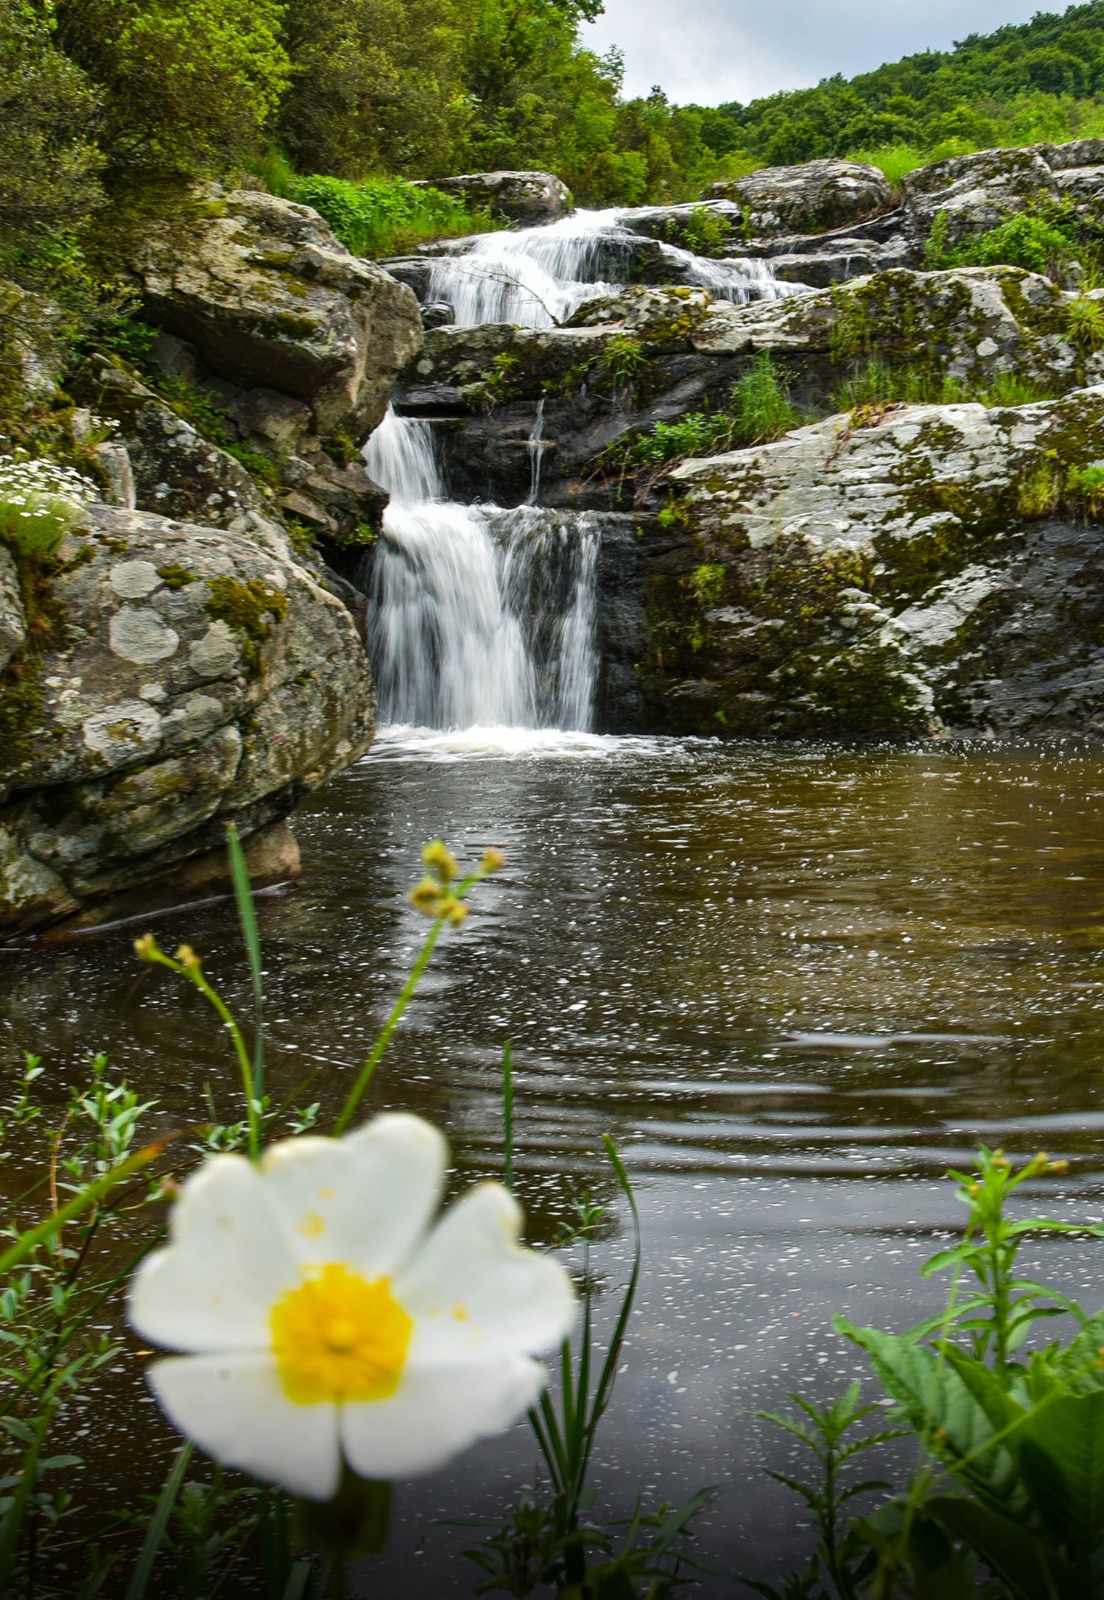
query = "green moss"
{"x": 176, "y": 577}
{"x": 252, "y": 609}
{"x": 707, "y": 584}
{"x": 22, "y": 710}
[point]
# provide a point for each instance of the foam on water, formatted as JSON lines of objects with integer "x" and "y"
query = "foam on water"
{"x": 536, "y": 277}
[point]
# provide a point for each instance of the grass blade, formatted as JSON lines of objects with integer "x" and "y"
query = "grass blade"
{"x": 159, "y": 1522}
{"x": 247, "y": 915}
{"x": 298, "y": 1583}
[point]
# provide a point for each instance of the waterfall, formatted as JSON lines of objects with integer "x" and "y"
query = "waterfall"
{"x": 478, "y": 617}
{"x": 536, "y": 277}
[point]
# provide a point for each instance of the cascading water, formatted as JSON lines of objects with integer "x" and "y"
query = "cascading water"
{"x": 536, "y": 277}
{"x": 482, "y": 617}
{"x": 479, "y": 617}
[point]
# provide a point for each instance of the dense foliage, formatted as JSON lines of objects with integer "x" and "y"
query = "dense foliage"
{"x": 1040, "y": 80}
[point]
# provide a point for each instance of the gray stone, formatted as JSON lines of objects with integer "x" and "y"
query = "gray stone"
{"x": 815, "y": 195}
{"x": 173, "y": 469}
{"x": 526, "y": 197}
{"x": 270, "y": 299}
{"x": 935, "y": 567}
{"x": 13, "y": 621}
{"x": 202, "y": 678}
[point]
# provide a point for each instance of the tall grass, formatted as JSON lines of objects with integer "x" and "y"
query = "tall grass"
{"x": 375, "y": 216}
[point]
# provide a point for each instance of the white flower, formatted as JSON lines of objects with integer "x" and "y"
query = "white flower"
{"x": 325, "y": 1318}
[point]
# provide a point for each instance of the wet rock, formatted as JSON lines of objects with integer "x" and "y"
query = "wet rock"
{"x": 525, "y": 197}
{"x": 939, "y": 567}
{"x": 270, "y": 299}
{"x": 188, "y": 677}
{"x": 815, "y": 195}
{"x": 649, "y": 355}
{"x": 437, "y": 314}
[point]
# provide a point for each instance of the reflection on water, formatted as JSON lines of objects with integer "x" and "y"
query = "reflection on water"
{"x": 795, "y": 983}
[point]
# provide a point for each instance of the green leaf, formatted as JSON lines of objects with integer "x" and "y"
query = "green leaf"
{"x": 159, "y": 1523}
{"x": 1013, "y": 1551}
{"x": 943, "y": 1410}
{"x": 1062, "y": 1461}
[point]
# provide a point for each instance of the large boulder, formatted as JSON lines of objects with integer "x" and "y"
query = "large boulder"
{"x": 809, "y": 198}
{"x": 174, "y": 469}
{"x": 977, "y": 192}
{"x": 176, "y": 678}
{"x": 268, "y": 296}
{"x": 937, "y": 566}
{"x": 526, "y": 197}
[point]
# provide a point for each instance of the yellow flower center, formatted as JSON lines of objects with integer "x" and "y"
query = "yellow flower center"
{"x": 338, "y": 1337}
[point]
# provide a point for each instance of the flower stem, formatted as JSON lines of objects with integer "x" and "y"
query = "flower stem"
{"x": 368, "y": 1070}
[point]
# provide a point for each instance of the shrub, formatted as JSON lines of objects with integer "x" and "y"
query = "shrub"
{"x": 1032, "y": 240}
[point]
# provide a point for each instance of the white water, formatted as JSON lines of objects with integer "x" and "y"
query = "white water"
{"x": 484, "y": 620}
{"x": 479, "y": 617}
{"x": 536, "y": 277}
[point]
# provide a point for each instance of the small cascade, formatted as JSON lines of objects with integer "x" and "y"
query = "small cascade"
{"x": 536, "y": 277}
{"x": 536, "y": 445}
{"x": 479, "y": 617}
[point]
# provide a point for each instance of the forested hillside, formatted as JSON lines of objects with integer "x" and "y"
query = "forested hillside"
{"x": 1041, "y": 80}
{"x": 110, "y": 106}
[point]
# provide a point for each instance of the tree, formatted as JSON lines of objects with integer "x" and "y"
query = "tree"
{"x": 188, "y": 86}
{"x": 377, "y": 85}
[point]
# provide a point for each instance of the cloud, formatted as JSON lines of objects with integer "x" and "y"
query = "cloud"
{"x": 711, "y": 51}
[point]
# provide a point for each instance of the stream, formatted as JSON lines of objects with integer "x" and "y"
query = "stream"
{"x": 795, "y": 983}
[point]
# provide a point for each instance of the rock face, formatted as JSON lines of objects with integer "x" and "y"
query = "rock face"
{"x": 938, "y": 567}
{"x": 270, "y": 299}
{"x": 173, "y": 468}
{"x": 807, "y": 198}
{"x": 525, "y": 197}
{"x": 977, "y": 191}
{"x": 183, "y": 677}
{"x": 651, "y": 355}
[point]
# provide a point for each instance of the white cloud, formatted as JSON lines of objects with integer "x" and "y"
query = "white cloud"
{"x": 710, "y": 51}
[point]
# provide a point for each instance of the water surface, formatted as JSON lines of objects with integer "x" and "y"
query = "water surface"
{"x": 796, "y": 984}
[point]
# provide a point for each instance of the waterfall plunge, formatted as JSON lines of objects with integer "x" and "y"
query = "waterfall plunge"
{"x": 479, "y": 617}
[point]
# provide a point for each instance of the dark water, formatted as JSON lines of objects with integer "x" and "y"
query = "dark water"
{"x": 795, "y": 984}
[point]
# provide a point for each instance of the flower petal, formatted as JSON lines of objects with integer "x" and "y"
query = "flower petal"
{"x": 235, "y": 1408}
{"x": 439, "y": 1409}
{"x": 365, "y": 1200}
{"x": 472, "y": 1283}
{"x": 227, "y": 1262}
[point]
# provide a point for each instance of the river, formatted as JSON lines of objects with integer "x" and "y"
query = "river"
{"x": 795, "y": 983}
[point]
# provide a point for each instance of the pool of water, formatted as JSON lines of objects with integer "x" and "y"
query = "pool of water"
{"x": 795, "y": 983}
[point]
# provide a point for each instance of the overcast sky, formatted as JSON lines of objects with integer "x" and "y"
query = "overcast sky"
{"x": 715, "y": 50}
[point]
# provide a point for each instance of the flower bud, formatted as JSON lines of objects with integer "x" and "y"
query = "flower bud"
{"x": 439, "y": 859}
{"x": 457, "y": 912}
{"x": 187, "y": 956}
{"x": 1058, "y": 1167}
{"x": 426, "y": 897}
{"x": 145, "y": 948}
{"x": 493, "y": 859}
